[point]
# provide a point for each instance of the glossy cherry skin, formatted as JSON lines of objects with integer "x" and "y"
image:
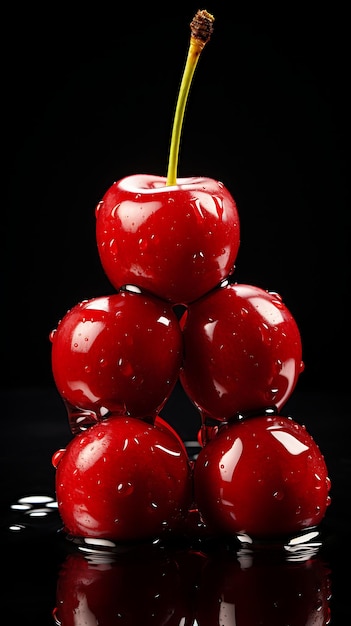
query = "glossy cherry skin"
{"x": 261, "y": 476}
{"x": 242, "y": 351}
{"x": 177, "y": 242}
{"x": 267, "y": 591}
{"x": 123, "y": 479}
{"x": 117, "y": 354}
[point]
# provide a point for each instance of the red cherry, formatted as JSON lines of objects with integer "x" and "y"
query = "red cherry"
{"x": 242, "y": 351}
{"x": 123, "y": 479}
{"x": 261, "y": 476}
{"x": 176, "y": 241}
{"x": 161, "y": 423}
{"x": 174, "y": 237}
{"x": 117, "y": 354}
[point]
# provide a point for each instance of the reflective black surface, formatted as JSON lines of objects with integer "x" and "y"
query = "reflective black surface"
{"x": 82, "y": 111}
{"x": 198, "y": 580}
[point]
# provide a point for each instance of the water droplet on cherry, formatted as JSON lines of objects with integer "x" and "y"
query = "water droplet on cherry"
{"x": 57, "y": 456}
{"x": 113, "y": 247}
{"x": 115, "y": 209}
{"x": 52, "y": 335}
{"x": 79, "y": 419}
{"x": 98, "y": 207}
{"x": 125, "y": 489}
{"x": 125, "y": 367}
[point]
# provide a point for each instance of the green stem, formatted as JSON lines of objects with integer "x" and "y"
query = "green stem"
{"x": 201, "y": 31}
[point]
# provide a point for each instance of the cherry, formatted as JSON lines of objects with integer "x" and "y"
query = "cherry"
{"x": 175, "y": 237}
{"x": 242, "y": 351}
{"x": 261, "y": 476}
{"x": 176, "y": 241}
{"x": 117, "y": 354}
{"x": 123, "y": 479}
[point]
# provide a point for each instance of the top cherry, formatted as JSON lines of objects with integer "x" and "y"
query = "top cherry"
{"x": 174, "y": 237}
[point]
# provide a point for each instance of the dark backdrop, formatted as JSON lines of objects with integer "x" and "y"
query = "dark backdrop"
{"x": 89, "y": 98}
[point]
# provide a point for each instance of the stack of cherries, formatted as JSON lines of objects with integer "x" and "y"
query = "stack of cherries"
{"x": 169, "y": 246}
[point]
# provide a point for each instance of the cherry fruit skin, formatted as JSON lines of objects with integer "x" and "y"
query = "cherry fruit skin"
{"x": 117, "y": 354}
{"x": 123, "y": 479}
{"x": 262, "y": 476}
{"x": 242, "y": 351}
{"x": 177, "y": 242}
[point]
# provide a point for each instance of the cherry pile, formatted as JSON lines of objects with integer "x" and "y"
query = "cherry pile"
{"x": 168, "y": 246}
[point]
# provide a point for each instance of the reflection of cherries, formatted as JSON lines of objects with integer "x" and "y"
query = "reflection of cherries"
{"x": 140, "y": 588}
{"x": 263, "y": 476}
{"x": 119, "y": 354}
{"x": 242, "y": 351}
{"x": 157, "y": 587}
{"x": 123, "y": 479}
{"x": 177, "y": 241}
{"x": 248, "y": 591}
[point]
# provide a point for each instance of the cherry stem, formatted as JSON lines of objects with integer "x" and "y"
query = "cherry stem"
{"x": 201, "y": 29}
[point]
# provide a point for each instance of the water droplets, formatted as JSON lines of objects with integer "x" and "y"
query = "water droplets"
{"x": 125, "y": 488}
{"x": 276, "y": 298}
{"x": 125, "y": 367}
{"x": 115, "y": 210}
{"x": 29, "y": 511}
{"x": 57, "y": 456}
{"x": 79, "y": 419}
{"x": 98, "y": 208}
{"x": 198, "y": 255}
{"x": 52, "y": 335}
{"x": 113, "y": 248}
{"x": 278, "y": 495}
{"x": 143, "y": 245}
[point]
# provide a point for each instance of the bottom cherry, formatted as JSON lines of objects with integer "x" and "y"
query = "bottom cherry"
{"x": 123, "y": 479}
{"x": 262, "y": 476}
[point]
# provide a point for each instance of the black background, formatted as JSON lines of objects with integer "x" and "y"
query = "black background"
{"x": 89, "y": 98}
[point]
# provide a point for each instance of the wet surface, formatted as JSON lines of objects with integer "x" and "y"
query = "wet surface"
{"x": 196, "y": 580}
